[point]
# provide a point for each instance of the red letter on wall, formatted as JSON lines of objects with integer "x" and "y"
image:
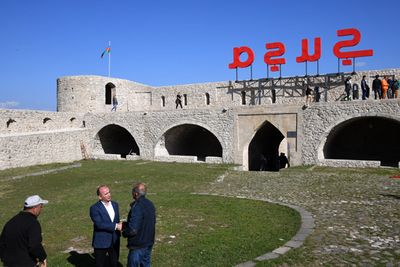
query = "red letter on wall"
{"x": 279, "y": 51}
{"x": 305, "y": 56}
{"x": 349, "y": 43}
{"x": 237, "y": 52}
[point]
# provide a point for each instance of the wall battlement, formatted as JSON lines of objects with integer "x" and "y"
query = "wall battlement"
{"x": 228, "y": 122}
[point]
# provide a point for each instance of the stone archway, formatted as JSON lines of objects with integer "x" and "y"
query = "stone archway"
{"x": 365, "y": 138}
{"x": 115, "y": 139}
{"x": 265, "y": 144}
{"x": 189, "y": 140}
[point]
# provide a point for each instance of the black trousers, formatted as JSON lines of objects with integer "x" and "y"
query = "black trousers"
{"x": 105, "y": 257}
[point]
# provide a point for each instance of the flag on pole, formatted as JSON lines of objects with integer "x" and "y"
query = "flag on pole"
{"x": 108, "y": 50}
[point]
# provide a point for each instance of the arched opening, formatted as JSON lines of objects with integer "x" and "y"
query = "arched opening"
{"x": 264, "y": 148}
{"x": 243, "y": 94}
{"x": 110, "y": 92}
{"x": 163, "y": 101}
{"x": 185, "y": 99}
{"x": 115, "y": 139}
{"x": 207, "y": 99}
{"x": 189, "y": 140}
{"x": 365, "y": 138}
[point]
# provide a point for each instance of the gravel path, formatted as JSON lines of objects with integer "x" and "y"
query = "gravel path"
{"x": 356, "y": 212}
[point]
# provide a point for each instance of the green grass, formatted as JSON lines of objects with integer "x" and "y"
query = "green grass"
{"x": 192, "y": 230}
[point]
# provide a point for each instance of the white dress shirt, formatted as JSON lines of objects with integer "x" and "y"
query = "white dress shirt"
{"x": 110, "y": 209}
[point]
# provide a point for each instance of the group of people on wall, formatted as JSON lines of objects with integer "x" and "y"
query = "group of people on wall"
{"x": 388, "y": 87}
{"x": 21, "y": 237}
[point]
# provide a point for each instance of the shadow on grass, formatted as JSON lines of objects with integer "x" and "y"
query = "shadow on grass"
{"x": 81, "y": 260}
{"x": 390, "y": 195}
{"x": 84, "y": 260}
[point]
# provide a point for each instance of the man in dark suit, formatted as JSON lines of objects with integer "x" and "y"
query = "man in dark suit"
{"x": 140, "y": 228}
{"x": 106, "y": 228}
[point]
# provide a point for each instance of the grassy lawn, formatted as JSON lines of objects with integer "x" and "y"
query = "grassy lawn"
{"x": 192, "y": 230}
{"x": 356, "y": 212}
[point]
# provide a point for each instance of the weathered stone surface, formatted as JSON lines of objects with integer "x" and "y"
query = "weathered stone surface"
{"x": 282, "y": 250}
{"x": 268, "y": 256}
{"x": 30, "y": 137}
{"x": 246, "y": 264}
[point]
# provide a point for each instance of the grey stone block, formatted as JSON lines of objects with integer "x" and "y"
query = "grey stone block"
{"x": 282, "y": 250}
{"x": 294, "y": 244}
{"x": 246, "y": 264}
{"x": 267, "y": 256}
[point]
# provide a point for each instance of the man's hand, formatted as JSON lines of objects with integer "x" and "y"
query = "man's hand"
{"x": 43, "y": 263}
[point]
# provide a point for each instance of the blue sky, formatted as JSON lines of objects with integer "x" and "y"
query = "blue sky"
{"x": 168, "y": 42}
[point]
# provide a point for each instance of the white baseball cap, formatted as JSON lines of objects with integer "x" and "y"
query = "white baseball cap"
{"x": 34, "y": 200}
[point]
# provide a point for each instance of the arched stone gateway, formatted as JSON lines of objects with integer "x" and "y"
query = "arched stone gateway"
{"x": 365, "y": 138}
{"x": 264, "y": 148}
{"x": 189, "y": 140}
{"x": 115, "y": 139}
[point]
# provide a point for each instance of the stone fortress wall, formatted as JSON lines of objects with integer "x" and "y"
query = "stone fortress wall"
{"x": 221, "y": 121}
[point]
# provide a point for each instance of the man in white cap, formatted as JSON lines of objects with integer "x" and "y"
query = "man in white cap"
{"x": 21, "y": 238}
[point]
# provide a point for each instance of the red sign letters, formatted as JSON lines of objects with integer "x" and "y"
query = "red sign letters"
{"x": 275, "y": 51}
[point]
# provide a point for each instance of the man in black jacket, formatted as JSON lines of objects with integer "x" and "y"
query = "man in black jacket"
{"x": 21, "y": 238}
{"x": 140, "y": 228}
{"x": 377, "y": 87}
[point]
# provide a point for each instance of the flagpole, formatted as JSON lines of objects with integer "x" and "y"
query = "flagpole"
{"x": 109, "y": 59}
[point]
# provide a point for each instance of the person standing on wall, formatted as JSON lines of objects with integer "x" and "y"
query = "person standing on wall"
{"x": 21, "y": 238}
{"x": 114, "y": 103}
{"x": 106, "y": 228}
{"x": 308, "y": 96}
{"x": 364, "y": 88}
{"x": 395, "y": 88}
{"x": 385, "y": 87}
{"x": 347, "y": 88}
{"x": 178, "y": 100}
{"x": 140, "y": 228}
{"x": 377, "y": 87}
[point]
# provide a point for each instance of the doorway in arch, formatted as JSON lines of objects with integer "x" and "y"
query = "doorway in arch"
{"x": 264, "y": 148}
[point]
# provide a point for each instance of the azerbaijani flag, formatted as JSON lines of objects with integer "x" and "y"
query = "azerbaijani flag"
{"x": 108, "y": 50}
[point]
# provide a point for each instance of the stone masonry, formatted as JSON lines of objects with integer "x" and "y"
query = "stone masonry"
{"x": 228, "y": 113}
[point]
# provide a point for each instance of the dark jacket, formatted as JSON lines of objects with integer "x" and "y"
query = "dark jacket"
{"x": 376, "y": 84}
{"x": 21, "y": 241}
{"x": 140, "y": 228}
{"x": 104, "y": 234}
{"x": 364, "y": 84}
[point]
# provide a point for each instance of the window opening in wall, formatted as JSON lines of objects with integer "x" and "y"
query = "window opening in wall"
{"x": 273, "y": 95}
{"x": 243, "y": 93}
{"x": 110, "y": 92}
{"x": 163, "y": 101}
{"x": 185, "y": 99}
{"x": 83, "y": 124}
{"x": 46, "y": 120}
{"x": 72, "y": 119}
{"x": 9, "y": 122}
{"x": 207, "y": 99}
